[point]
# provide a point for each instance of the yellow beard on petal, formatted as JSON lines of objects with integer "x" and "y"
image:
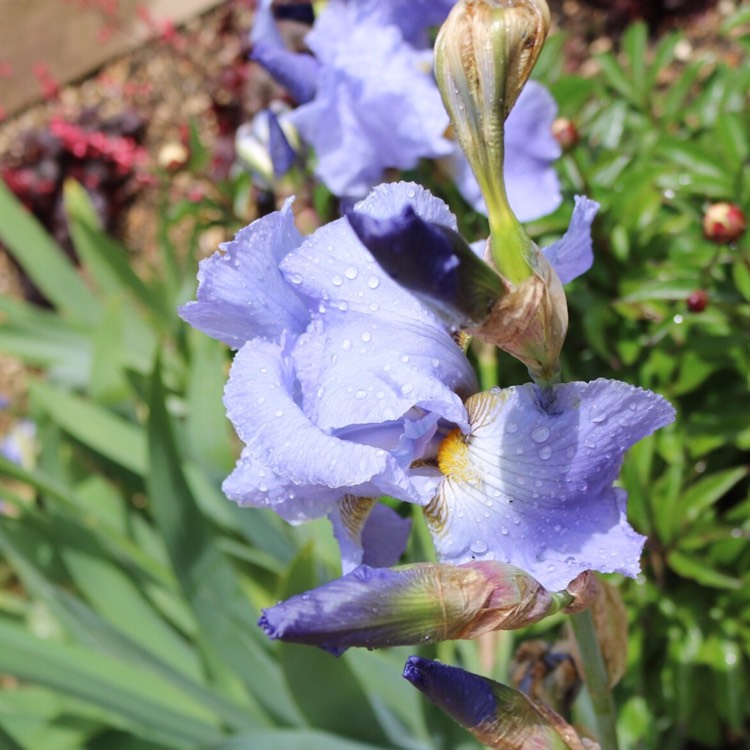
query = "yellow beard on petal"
{"x": 453, "y": 456}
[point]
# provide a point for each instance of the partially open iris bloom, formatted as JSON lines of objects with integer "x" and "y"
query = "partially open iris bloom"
{"x": 368, "y": 102}
{"x": 345, "y": 388}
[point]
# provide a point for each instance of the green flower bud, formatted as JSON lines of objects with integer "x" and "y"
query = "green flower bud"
{"x": 484, "y": 54}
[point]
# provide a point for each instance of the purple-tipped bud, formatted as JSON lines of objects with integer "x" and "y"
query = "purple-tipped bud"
{"x": 432, "y": 261}
{"x": 410, "y": 605}
{"x": 498, "y": 716}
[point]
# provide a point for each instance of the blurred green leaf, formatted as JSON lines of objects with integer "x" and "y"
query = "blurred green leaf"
{"x": 208, "y": 581}
{"x": 690, "y": 567}
{"x": 134, "y": 698}
{"x": 44, "y": 262}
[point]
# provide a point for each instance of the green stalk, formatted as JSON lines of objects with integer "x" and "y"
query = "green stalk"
{"x": 596, "y": 678}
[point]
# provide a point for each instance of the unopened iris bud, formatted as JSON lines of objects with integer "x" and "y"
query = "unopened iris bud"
{"x": 484, "y": 54}
{"x": 724, "y": 223}
{"x": 267, "y": 147}
{"x": 483, "y": 57}
{"x": 498, "y": 716}
{"x": 411, "y": 605}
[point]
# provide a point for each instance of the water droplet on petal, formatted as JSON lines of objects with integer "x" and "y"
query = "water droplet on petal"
{"x": 407, "y": 388}
{"x": 366, "y": 336}
{"x": 478, "y": 547}
{"x": 295, "y": 278}
{"x": 404, "y": 358}
{"x": 540, "y": 434}
{"x": 351, "y": 272}
{"x": 597, "y": 417}
{"x": 337, "y": 280}
{"x": 545, "y": 453}
{"x": 360, "y": 394}
{"x": 346, "y": 344}
{"x": 373, "y": 282}
{"x": 511, "y": 427}
{"x": 279, "y": 413}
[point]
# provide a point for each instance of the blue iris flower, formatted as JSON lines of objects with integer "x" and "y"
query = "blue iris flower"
{"x": 345, "y": 388}
{"x": 368, "y": 102}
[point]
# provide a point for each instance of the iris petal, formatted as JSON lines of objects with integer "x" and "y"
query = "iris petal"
{"x": 369, "y": 73}
{"x": 532, "y": 483}
{"x": 368, "y": 533}
{"x": 241, "y": 292}
{"x": 261, "y": 400}
{"x": 573, "y": 255}
{"x": 254, "y": 484}
{"x": 297, "y": 73}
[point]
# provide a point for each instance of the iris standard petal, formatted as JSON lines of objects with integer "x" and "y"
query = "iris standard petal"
{"x": 241, "y": 292}
{"x": 348, "y": 367}
{"x": 411, "y": 17}
{"x": 530, "y": 152}
{"x": 531, "y": 484}
{"x": 264, "y": 25}
{"x": 573, "y": 255}
{"x": 261, "y": 400}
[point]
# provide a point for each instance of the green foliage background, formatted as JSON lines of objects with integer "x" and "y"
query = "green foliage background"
{"x": 131, "y": 586}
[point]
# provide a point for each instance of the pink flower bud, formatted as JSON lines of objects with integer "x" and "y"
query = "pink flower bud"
{"x": 724, "y": 223}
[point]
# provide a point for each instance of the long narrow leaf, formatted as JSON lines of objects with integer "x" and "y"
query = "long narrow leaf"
{"x": 43, "y": 260}
{"x": 143, "y": 703}
{"x": 90, "y": 629}
{"x": 207, "y": 578}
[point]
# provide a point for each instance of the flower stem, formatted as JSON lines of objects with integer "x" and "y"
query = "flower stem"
{"x": 597, "y": 680}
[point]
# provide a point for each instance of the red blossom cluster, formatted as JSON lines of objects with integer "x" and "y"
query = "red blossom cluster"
{"x": 124, "y": 153}
{"x": 105, "y": 155}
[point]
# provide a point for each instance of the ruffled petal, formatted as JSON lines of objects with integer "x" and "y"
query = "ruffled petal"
{"x": 241, "y": 293}
{"x": 349, "y": 370}
{"x": 262, "y": 402}
{"x": 254, "y": 484}
{"x": 369, "y": 75}
{"x": 411, "y": 17}
{"x": 573, "y": 255}
{"x": 532, "y": 483}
